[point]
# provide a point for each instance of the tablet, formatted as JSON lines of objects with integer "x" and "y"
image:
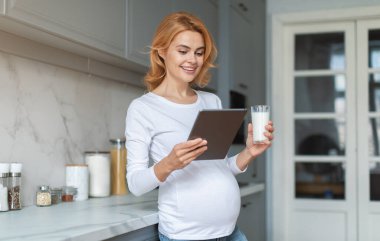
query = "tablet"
{"x": 219, "y": 128}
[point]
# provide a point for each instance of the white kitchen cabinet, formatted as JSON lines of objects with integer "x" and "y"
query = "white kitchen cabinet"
{"x": 204, "y": 9}
{"x": 95, "y": 23}
{"x": 241, "y": 53}
{"x": 149, "y": 233}
{"x": 2, "y": 7}
{"x": 251, "y": 220}
{"x": 207, "y": 11}
{"x": 142, "y": 19}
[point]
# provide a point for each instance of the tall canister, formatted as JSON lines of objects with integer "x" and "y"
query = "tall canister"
{"x": 118, "y": 167}
{"x": 99, "y": 167}
{"x": 77, "y": 176}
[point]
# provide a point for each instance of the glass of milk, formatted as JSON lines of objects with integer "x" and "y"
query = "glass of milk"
{"x": 260, "y": 118}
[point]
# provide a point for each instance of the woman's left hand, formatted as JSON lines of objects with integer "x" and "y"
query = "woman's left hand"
{"x": 257, "y": 149}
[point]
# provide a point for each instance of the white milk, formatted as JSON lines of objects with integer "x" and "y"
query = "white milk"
{"x": 259, "y": 121}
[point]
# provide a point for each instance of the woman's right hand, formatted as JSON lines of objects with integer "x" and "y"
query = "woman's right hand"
{"x": 181, "y": 155}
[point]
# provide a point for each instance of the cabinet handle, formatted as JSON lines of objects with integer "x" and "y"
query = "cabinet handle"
{"x": 243, "y": 7}
{"x": 244, "y": 205}
{"x": 243, "y": 86}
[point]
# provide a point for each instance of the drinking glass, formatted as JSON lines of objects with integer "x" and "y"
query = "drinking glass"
{"x": 260, "y": 118}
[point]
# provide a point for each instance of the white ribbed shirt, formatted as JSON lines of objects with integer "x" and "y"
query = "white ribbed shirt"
{"x": 200, "y": 201}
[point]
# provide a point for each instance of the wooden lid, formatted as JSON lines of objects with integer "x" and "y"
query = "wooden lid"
{"x": 76, "y": 165}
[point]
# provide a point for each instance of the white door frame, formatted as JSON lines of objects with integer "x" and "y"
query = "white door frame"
{"x": 277, "y": 200}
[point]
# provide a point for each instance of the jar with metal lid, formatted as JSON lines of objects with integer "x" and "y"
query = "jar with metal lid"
{"x": 14, "y": 186}
{"x": 43, "y": 196}
{"x": 56, "y": 195}
{"x": 118, "y": 167}
{"x": 68, "y": 193}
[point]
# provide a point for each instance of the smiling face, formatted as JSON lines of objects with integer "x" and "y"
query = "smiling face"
{"x": 184, "y": 57}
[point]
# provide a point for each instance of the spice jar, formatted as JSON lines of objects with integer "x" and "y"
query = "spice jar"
{"x": 118, "y": 167}
{"x": 14, "y": 191}
{"x": 43, "y": 196}
{"x": 68, "y": 193}
{"x": 56, "y": 195}
{"x": 4, "y": 170}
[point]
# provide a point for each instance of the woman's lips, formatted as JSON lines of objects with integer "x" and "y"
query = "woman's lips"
{"x": 189, "y": 70}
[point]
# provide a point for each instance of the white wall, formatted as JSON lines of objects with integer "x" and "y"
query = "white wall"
{"x": 51, "y": 115}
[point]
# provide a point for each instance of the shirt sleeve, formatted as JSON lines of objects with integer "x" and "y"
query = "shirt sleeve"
{"x": 231, "y": 163}
{"x": 140, "y": 177}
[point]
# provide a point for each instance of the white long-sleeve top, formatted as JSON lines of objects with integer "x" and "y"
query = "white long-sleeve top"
{"x": 200, "y": 201}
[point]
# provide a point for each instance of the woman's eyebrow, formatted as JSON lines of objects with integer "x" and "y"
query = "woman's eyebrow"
{"x": 187, "y": 47}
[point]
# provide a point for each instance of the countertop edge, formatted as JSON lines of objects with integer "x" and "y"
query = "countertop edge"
{"x": 122, "y": 215}
{"x": 251, "y": 188}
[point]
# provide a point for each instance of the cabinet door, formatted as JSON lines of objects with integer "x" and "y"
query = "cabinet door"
{"x": 204, "y": 9}
{"x": 143, "y": 17}
{"x": 149, "y": 233}
{"x": 99, "y": 24}
{"x": 2, "y": 9}
{"x": 241, "y": 53}
{"x": 251, "y": 220}
{"x": 207, "y": 11}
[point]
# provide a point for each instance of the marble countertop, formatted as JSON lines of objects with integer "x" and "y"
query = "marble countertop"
{"x": 93, "y": 219}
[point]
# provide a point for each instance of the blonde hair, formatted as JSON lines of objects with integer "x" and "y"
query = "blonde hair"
{"x": 168, "y": 29}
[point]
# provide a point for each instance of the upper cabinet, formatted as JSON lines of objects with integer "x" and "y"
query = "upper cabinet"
{"x": 207, "y": 11}
{"x": 2, "y": 7}
{"x": 204, "y": 9}
{"x": 143, "y": 17}
{"x": 241, "y": 51}
{"x": 116, "y": 32}
{"x": 95, "y": 23}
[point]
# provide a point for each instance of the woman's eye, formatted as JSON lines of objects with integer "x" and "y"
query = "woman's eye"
{"x": 199, "y": 54}
{"x": 182, "y": 52}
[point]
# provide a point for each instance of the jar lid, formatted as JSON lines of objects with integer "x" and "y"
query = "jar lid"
{"x": 117, "y": 141}
{"x": 56, "y": 190}
{"x": 69, "y": 190}
{"x": 44, "y": 187}
{"x": 4, "y": 167}
{"x": 16, "y": 167}
{"x": 96, "y": 152}
{"x": 76, "y": 165}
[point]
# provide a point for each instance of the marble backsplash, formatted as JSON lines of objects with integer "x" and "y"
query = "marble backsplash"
{"x": 50, "y": 115}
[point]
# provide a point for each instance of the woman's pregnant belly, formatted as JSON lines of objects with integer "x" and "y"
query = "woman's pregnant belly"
{"x": 206, "y": 194}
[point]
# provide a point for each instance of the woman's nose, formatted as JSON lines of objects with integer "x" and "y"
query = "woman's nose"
{"x": 192, "y": 58}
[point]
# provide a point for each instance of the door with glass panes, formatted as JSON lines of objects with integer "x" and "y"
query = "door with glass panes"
{"x": 332, "y": 74}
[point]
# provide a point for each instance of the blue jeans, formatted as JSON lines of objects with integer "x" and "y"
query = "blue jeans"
{"x": 236, "y": 235}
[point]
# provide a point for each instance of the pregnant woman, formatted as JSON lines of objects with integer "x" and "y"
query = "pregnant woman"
{"x": 198, "y": 200}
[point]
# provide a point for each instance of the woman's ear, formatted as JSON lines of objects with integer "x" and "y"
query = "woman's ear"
{"x": 162, "y": 54}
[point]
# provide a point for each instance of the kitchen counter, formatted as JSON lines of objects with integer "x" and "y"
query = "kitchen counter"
{"x": 93, "y": 219}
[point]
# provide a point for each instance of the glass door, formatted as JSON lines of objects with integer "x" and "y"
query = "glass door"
{"x": 368, "y": 130}
{"x": 321, "y": 80}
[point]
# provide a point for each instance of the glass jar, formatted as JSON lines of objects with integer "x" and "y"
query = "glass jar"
{"x": 4, "y": 170}
{"x": 43, "y": 196}
{"x": 118, "y": 167}
{"x": 68, "y": 193}
{"x": 14, "y": 185}
{"x": 56, "y": 195}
